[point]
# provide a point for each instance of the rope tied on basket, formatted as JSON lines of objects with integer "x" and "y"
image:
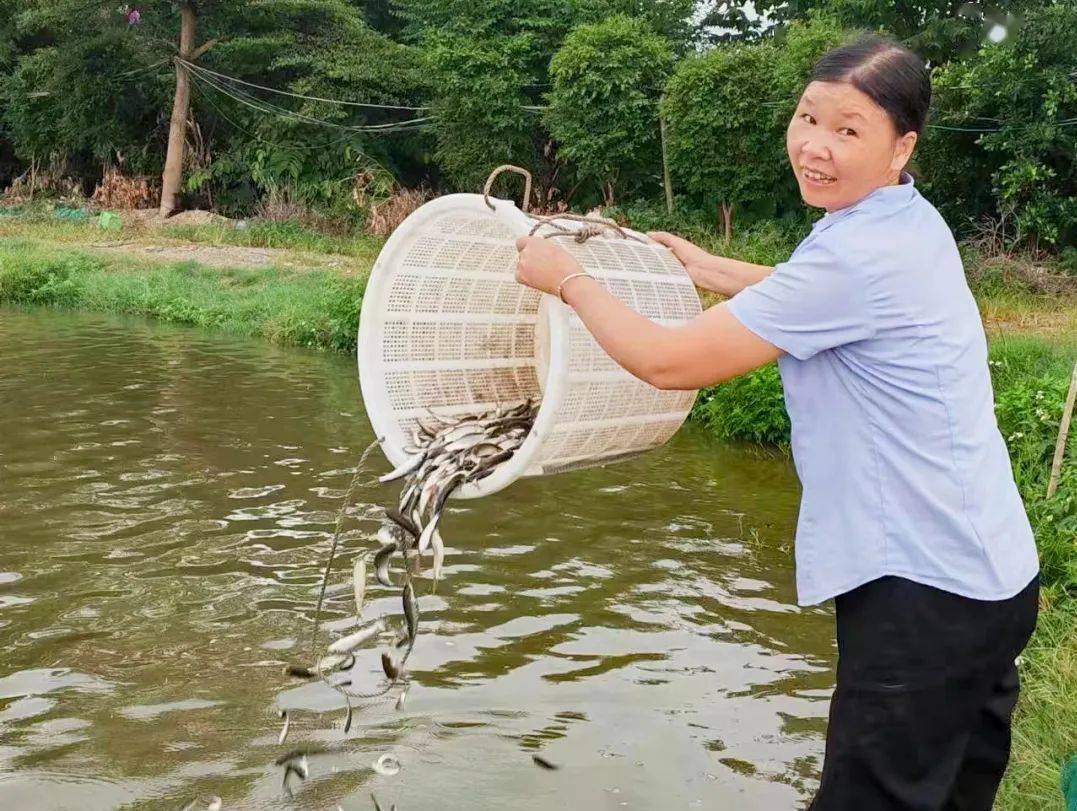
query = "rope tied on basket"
{"x": 592, "y": 227}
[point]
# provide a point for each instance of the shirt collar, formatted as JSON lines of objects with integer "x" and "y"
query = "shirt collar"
{"x": 891, "y": 195}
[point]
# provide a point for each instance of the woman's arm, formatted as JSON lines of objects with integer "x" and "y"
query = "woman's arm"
{"x": 711, "y": 348}
{"x": 719, "y": 274}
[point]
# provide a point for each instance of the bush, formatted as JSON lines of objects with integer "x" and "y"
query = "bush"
{"x": 607, "y": 78}
{"x": 1031, "y": 386}
{"x": 51, "y": 281}
{"x": 723, "y": 144}
{"x": 749, "y": 408}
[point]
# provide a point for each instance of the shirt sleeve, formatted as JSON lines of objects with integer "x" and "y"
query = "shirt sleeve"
{"x": 815, "y": 301}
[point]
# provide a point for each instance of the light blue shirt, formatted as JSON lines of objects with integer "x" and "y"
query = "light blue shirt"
{"x": 903, "y": 468}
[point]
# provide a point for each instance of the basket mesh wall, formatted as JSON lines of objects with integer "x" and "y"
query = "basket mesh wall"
{"x": 459, "y": 334}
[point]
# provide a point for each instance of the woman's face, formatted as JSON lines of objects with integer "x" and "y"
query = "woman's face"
{"x": 843, "y": 145}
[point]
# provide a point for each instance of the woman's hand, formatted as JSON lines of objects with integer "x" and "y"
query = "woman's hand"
{"x": 718, "y": 274}
{"x": 542, "y": 264}
{"x": 696, "y": 261}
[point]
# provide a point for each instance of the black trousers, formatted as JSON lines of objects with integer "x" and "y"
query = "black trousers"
{"x": 926, "y": 687}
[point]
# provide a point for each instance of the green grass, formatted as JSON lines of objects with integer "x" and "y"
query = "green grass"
{"x": 1045, "y": 730}
{"x": 282, "y": 235}
{"x": 300, "y": 308}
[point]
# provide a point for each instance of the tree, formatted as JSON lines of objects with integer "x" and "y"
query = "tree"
{"x": 671, "y": 19}
{"x": 607, "y": 79}
{"x": 172, "y": 178}
{"x": 81, "y": 85}
{"x": 303, "y": 150}
{"x": 480, "y": 120}
{"x": 88, "y": 84}
{"x": 489, "y": 58}
{"x": 1005, "y": 138}
{"x": 723, "y": 138}
{"x": 938, "y": 30}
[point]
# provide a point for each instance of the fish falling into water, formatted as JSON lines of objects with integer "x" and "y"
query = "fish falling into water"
{"x": 444, "y": 455}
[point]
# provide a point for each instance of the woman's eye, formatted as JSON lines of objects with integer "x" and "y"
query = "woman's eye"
{"x": 807, "y": 117}
{"x": 847, "y": 131}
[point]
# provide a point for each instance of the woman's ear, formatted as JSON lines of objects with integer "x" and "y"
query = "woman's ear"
{"x": 903, "y": 151}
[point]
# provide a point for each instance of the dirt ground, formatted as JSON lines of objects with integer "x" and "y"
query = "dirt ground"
{"x": 213, "y": 255}
{"x": 147, "y": 221}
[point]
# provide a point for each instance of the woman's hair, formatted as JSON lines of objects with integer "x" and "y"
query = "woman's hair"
{"x": 888, "y": 73}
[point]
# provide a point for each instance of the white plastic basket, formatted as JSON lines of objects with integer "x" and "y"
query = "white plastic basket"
{"x": 446, "y": 327}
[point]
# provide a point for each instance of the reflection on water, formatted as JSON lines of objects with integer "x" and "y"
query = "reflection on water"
{"x": 166, "y": 502}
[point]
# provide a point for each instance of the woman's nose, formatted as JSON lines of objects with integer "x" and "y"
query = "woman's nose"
{"x": 815, "y": 148}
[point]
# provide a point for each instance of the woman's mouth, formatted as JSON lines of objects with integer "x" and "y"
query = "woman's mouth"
{"x": 817, "y": 178}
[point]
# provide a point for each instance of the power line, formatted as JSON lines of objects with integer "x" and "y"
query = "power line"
{"x": 267, "y": 108}
{"x": 216, "y": 80}
{"x": 255, "y": 136}
{"x": 297, "y": 95}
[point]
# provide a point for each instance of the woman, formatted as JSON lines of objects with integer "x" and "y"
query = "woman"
{"x": 910, "y": 518}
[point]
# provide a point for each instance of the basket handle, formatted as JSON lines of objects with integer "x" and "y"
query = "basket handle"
{"x": 511, "y": 168}
{"x": 593, "y": 227}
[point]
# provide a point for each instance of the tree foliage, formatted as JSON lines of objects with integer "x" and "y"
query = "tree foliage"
{"x": 1023, "y": 167}
{"x": 607, "y": 79}
{"x": 724, "y": 141}
{"x": 480, "y": 87}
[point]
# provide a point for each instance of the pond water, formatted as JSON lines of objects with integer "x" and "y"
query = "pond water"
{"x": 167, "y": 498}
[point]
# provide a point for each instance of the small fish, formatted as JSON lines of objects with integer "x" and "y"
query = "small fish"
{"x": 392, "y": 672}
{"x": 335, "y": 661}
{"x": 381, "y": 564}
{"x": 301, "y": 754}
{"x": 411, "y": 611}
{"x": 462, "y": 432}
{"x": 403, "y": 522}
{"x": 387, "y": 765}
{"x": 428, "y": 532}
{"x": 299, "y": 672}
{"x": 541, "y": 761}
{"x": 299, "y": 768}
{"x": 346, "y": 644}
{"x": 293, "y": 755}
{"x": 403, "y": 470}
{"x": 437, "y": 545}
{"x": 485, "y": 450}
{"x": 287, "y": 724}
{"x": 491, "y": 462}
{"x": 447, "y": 491}
{"x": 359, "y": 584}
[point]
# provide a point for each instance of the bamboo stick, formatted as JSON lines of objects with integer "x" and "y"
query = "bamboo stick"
{"x": 1063, "y": 433}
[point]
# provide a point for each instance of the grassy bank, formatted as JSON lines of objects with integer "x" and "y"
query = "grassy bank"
{"x": 315, "y": 308}
{"x": 299, "y": 299}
